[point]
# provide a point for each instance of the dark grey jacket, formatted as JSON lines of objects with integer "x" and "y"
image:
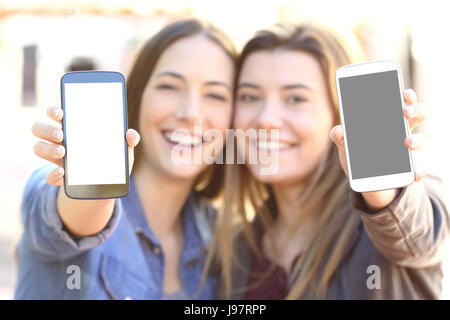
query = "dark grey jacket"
{"x": 405, "y": 243}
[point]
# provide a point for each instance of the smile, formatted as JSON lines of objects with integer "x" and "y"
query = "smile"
{"x": 182, "y": 139}
{"x": 274, "y": 145}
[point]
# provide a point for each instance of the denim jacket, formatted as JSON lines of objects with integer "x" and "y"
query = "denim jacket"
{"x": 123, "y": 261}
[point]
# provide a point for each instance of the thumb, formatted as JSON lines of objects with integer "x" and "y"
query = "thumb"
{"x": 133, "y": 139}
{"x": 337, "y": 136}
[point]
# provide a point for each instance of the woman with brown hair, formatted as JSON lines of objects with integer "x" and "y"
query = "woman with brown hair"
{"x": 301, "y": 232}
{"x": 152, "y": 243}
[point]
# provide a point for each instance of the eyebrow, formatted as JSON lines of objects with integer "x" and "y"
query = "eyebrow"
{"x": 170, "y": 73}
{"x": 218, "y": 83}
{"x": 179, "y": 76}
{"x": 248, "y": 85}
{"x": 296, "y": 86}
{"x": 286, "y": 87}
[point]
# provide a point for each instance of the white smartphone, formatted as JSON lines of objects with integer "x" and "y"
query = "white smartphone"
{"x": 371, "y": 106}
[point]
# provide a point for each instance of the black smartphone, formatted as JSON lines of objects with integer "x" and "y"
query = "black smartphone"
{"x": 94, "y": 126}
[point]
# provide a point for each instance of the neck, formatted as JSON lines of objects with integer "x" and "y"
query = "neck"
{"x": 290, "y": 238}
{"x": 287, "y": 199}
{"x": 287, "y": 226}
{"x": 162, "y": 199}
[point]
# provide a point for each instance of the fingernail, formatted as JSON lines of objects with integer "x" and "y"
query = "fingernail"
{"x": 57, "y": 134}
{"x": 55, "y": 112}
{"x": 411, "y": 111}
{"x": 333, "y": 134}
{"x": 59, "y": 171}
{"x": 407, "y": 94}
{"x": 60, "y": 150}
{"x": 408, "y": 141}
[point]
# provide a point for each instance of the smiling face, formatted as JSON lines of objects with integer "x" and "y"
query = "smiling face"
{"x": 285, "y": 90}
{"x": 191, "y": 82}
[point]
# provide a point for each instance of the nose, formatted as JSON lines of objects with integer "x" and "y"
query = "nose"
{"x": 189, "y": 110}
{"x": 271, "y": 115}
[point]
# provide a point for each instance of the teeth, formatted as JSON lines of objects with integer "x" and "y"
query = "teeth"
{"x": 183, "y": 139}
{"x": 272, "y": 145}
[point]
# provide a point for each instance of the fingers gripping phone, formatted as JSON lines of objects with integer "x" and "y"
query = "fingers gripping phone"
{"x": 371, "y": 108}
{"x": 94, "y": 126}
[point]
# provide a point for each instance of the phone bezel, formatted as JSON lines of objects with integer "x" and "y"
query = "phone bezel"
{"x": 384, "y": 182}
{"x": 100, "y": 191}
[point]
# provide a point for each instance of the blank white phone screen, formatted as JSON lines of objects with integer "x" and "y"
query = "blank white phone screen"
{"x": 374, "y": 123}
{"x": 94, "y": 130}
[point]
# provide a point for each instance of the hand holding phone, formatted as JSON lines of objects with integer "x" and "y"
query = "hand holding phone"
{"x": 52, "y": 148}
{"x": 376, "y": 139}
{"x": 79, "y": 217}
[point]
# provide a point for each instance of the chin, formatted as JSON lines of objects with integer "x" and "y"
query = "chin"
{"x": 183, "y": 171}
{"x": 280, "y": 176}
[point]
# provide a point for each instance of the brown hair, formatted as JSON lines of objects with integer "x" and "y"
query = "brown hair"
{"x": 245, "y": 196}
{"x": 209, "y": 183}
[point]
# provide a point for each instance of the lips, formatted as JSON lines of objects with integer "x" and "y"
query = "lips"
{"x": 182, "y": 139}
{"x": 271, "y": 145}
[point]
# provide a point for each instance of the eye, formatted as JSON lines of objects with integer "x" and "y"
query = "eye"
{"x": 295, "y": 99}
{"x": 248, "y": 98}
{"x": 216, "y": 96}
{"x": 165, "y": 86}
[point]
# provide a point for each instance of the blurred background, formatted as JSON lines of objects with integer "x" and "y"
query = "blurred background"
{"x": 40, "y": 40}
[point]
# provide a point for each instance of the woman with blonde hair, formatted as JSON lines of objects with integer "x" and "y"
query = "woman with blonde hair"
{"x": 301, "y": 232}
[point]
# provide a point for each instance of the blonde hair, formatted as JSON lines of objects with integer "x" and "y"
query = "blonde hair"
{"x": 244, "y": 194}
